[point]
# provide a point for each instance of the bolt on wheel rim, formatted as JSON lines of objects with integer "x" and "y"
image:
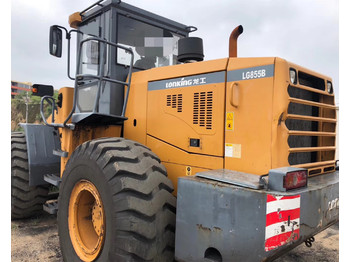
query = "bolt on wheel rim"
{"x": 86, "y": 221}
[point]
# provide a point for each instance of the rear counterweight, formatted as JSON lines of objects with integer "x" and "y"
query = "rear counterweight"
{"x": 231, "y": 223}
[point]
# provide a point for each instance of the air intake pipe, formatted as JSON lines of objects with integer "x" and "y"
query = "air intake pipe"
{"x": 233, "y": 40}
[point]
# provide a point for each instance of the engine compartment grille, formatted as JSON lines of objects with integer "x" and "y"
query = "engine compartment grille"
{"x": 203, "y": 109}
{"x": 311, "y": 121}
{"x": 174, "y": 101}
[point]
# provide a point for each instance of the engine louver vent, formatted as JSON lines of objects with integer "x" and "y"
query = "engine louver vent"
{"x": 203, "y": 109}
{"x": 174, "y": 101}
{"x": 179, "y": 103}
{"x": 195, "y": 108}
{"x": 168, "y": 100}
{"x": 209, "y": 119}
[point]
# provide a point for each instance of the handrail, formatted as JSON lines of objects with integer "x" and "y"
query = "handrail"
{"x": 90, "y": 7}
{"x": 99, "y": 77}
{"x": 51, "y": 101}
{"x": 101, "y": 71}
{"x": 89, "y": 76}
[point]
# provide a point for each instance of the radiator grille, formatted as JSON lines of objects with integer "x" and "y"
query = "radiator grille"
{"x": 311, "y": 81}
{"x": 203, "y": 109}
{"x": 311, "y": 121}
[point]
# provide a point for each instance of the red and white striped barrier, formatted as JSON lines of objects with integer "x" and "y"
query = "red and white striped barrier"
{"x": 282, "y": 220}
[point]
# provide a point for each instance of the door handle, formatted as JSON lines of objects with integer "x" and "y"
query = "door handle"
{"x": 234, "y": 94}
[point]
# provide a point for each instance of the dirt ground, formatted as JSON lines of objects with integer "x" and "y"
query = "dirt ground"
{"x": 36, "y": 239}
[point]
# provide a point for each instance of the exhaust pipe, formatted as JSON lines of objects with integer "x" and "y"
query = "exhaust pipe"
{"x": 233, "y": 40}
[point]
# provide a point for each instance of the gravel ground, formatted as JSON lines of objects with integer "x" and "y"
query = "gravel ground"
{"x": 36, "y": 239}
{"x": 324, "y": 249}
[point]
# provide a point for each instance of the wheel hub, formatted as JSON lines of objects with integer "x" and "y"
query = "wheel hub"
{"x": 86, "y": 220}
{"x": 97, "y": 217}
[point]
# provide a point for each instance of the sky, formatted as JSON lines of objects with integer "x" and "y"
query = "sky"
{"x": 305, "y": 32}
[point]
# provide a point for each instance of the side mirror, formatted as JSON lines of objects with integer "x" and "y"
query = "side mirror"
{"x": 42, "y": 90}
{"x": 55, "y": 41}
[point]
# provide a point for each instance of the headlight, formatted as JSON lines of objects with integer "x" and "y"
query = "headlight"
{"x": 329, "y": 87}
{"x": 293, "y": 76}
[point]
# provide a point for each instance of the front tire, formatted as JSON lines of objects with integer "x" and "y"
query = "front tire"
{"x": 115, "y": 204}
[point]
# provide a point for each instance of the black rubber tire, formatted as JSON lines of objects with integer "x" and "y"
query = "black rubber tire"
{"x": 136, "y": 195}
{"x": 26, "y": 201}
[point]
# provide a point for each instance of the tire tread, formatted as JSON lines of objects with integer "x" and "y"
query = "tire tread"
{"x": 26, "y": 201}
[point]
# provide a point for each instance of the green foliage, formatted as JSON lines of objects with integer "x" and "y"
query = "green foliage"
{"x": 35, "y": 99}
{"x": 18, "y": 109}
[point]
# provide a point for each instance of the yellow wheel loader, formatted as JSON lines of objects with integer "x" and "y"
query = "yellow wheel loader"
{"x": 162, "y": 156}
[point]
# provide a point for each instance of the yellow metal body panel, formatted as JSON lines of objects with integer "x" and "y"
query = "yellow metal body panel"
{"x": 67, "y": 144}
{"x": 279, "y": 142}
{"x": 71, "y": 139}
{"x": 136, "y": 109}
{"x": 166, "y": 130}
{"x": 248, "y": 142}
{"x": 67, "y": 104}
{"x": 176, "y": 160}
{"x": 166, "y": 123}
{"x": 176, "y": 170}
{"x": 148, "y": 113}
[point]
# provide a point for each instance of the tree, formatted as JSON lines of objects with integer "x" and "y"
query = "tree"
{"x": 20, "y": 112}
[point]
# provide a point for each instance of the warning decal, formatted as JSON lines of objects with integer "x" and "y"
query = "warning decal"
{"x": 282, "y": 220}
{"x": 233, "y": 150}
{"x": 229, "y": 120}
{"x": 228, "y": 150}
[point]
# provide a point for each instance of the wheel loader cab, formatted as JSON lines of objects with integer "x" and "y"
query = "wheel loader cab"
{"x": 115, "y": 39}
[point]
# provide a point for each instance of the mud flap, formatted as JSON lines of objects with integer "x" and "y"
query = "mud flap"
{"x": 41, "y": 141}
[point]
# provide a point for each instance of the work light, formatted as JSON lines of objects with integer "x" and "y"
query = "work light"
{"x": 329, "y": 87}
{"x": 293, "y": 76}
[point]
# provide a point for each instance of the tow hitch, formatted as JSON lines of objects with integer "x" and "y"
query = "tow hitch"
{"x": 309, "y": 241}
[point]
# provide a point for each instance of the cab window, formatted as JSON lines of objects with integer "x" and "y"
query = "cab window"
{"x": 152, "y": 46}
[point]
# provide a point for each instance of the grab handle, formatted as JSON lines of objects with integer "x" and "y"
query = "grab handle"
{"x": 234, "y": 94}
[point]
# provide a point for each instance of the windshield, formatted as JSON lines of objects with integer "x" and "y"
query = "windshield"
{"x": 152, "y": 46}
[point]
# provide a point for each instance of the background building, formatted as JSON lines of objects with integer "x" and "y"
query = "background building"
{"x": 20, "y": 87}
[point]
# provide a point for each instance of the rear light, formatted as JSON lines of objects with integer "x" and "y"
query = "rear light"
{"x": 295, "y": 180}
{"x": 287, "y": 178}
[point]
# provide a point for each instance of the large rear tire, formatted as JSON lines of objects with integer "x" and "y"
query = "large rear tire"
{"x": 115, "y": 204}
{"x": 26, "y": 201}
